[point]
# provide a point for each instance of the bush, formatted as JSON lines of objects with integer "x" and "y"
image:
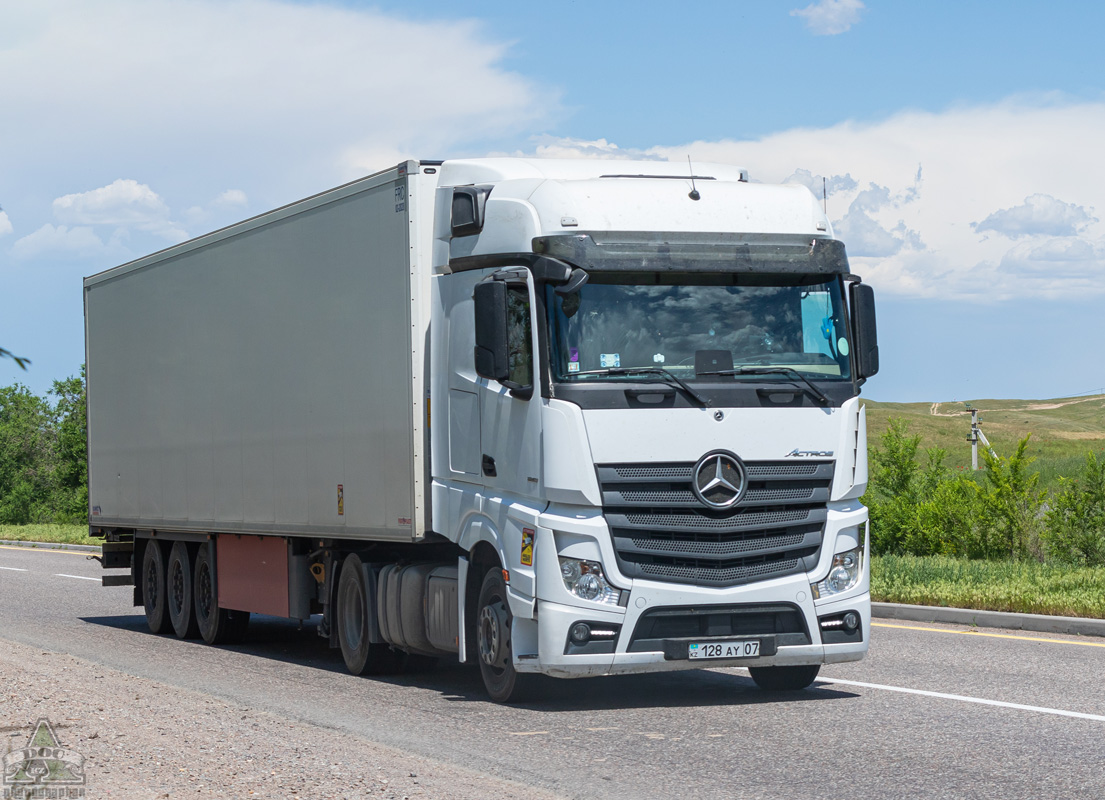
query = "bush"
{"x": 930, "y": 510}
{"x": 1075, "y": 523}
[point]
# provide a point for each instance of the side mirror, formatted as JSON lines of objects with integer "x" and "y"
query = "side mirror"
{"x": 865, "y": 338}
{"x": 467, "y": 212}
{"x": 492, "y": 354}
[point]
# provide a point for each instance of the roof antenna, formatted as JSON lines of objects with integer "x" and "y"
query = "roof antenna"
{"x": 693, "y": 194}
{"x": 825, "y": 195}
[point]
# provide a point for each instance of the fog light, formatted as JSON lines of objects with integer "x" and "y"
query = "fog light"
{"x": 581, "y": 633}
{"x": 851, "y": 621}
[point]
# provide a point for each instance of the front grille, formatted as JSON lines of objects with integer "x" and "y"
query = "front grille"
{"x": 662, "y": 532}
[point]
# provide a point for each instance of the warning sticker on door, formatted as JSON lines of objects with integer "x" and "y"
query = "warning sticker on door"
{"x": 527, "y": 547}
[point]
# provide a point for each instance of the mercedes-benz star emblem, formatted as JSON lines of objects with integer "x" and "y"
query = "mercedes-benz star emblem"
{"x": 720, "y": 479}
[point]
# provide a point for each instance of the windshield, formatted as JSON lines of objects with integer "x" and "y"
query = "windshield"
{"x": 697, "y": 326}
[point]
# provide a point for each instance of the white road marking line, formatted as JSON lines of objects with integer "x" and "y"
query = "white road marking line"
{"x": 965, "y": 699}
{"x": 78, "y": 577}
{"x": 14, "y": 569}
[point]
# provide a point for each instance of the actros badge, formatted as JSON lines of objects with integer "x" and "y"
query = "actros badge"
{"x": 796, "y": 453}
{"x": 720, "y": 479}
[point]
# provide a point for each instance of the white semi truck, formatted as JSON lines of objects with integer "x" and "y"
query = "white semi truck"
{"x": 568, "y": 418}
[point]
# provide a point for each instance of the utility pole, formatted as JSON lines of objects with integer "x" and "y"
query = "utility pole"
{"x": 976, "y": 434}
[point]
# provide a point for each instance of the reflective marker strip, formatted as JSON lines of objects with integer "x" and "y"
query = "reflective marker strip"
{"x": 992, "y": 635}
{"x": 964, "y": 699}
{"x": 78, "y": 577}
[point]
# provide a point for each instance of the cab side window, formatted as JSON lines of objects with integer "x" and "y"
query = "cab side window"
{"x": 519, "y": 336}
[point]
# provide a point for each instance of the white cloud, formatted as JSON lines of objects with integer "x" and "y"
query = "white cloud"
{"x": 333, "y": 92}
{"x": 124, "y": 202}
{"x": 5, "y": 223}
{"x": 821, "y": 184}
{"x": 973, "y": 161}
{"x": 1057, "y": 267}
{"x": 916, "y": 238}
{"x": 50, "y": 240}
{"x": 866, "y": 236}
{"x": 830, "y": 17}
{"x": 549, "y": 147}
{"x": 1039, "y": 214}
{"x": 231, "y": 198}
{"x": 566, "y": 147}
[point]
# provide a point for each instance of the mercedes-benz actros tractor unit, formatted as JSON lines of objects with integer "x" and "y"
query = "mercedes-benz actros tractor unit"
{"x": 568, "y": 418}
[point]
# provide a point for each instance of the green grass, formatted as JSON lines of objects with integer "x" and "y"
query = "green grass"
{"x": 1063, "y": 430}
{"x": 54, "y": 534}
{"x": 1025, "y": 587}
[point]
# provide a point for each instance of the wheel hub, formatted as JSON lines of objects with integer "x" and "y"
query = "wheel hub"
{"x": 493, "y": 636}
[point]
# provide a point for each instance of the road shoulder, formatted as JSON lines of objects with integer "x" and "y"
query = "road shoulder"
{"x": 141, "y": 737}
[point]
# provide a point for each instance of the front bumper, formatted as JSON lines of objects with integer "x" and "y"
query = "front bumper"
{"x": 556, "y": 621}
{"x": 547, "y": 631}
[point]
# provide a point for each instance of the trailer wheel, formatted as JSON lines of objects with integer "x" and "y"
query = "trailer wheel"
{"x": 362, "y": 656}
{"x": 153, "y": 587}
{"x": 178, "y": 589}
{"x": 216, "y": 625}
{"x": 784, "y": 679}
{"x": 496, "y": 656}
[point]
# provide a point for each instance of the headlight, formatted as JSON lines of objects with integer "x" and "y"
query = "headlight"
{"x": 845, "y": 573}
{"x": 585, "y": 580}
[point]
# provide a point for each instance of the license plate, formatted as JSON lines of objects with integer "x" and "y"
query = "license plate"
{"x": 744, "y": 648}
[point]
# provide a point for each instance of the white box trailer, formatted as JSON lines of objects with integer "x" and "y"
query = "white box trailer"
{"x": 269, "y": 377}
{"x": 558, "y": 417}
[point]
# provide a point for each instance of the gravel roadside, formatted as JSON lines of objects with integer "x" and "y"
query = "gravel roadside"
{"x": 144, "y": 739}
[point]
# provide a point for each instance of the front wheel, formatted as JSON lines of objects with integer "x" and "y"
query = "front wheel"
{"x": 493, "y": 627}
{"x": 784, "y": 679}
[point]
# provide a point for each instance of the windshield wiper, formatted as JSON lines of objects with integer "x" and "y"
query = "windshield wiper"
{"x": 789, "y": 371}
{"x": 666, "y": 377}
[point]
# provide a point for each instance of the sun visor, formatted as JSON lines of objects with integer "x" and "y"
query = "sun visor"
{"x": 621, "y": 251}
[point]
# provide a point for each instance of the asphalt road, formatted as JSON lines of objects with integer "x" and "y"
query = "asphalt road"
{"x": 934, "y": 711}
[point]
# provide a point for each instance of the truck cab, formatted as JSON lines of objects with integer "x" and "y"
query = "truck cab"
{"x": 650, "y": 420}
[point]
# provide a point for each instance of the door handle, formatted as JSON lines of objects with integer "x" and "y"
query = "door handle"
{"x": 488, "y": 466}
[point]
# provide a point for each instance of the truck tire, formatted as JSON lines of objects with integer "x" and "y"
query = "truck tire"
{"x": 353, "y": 607}
{"x": 493, "y": 644}
{"x": 784, "y": 679}
{"x": 178, "y": 589}
{"x": 153, "y": 587}
{"x": 216, "y": 625}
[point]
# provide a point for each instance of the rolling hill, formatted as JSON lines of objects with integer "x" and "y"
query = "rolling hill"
{"x": 1063, "y": 430}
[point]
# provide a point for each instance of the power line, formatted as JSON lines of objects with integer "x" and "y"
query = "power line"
{"x": 1081, "y": 394}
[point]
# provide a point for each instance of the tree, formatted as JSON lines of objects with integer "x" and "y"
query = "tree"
{"x": 28, "y": 446}
{"x": 71, "y": 424}
{"x": 19, "y": 360}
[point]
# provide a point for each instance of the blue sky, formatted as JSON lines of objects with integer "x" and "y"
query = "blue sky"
{"x": 960, "y": 142}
